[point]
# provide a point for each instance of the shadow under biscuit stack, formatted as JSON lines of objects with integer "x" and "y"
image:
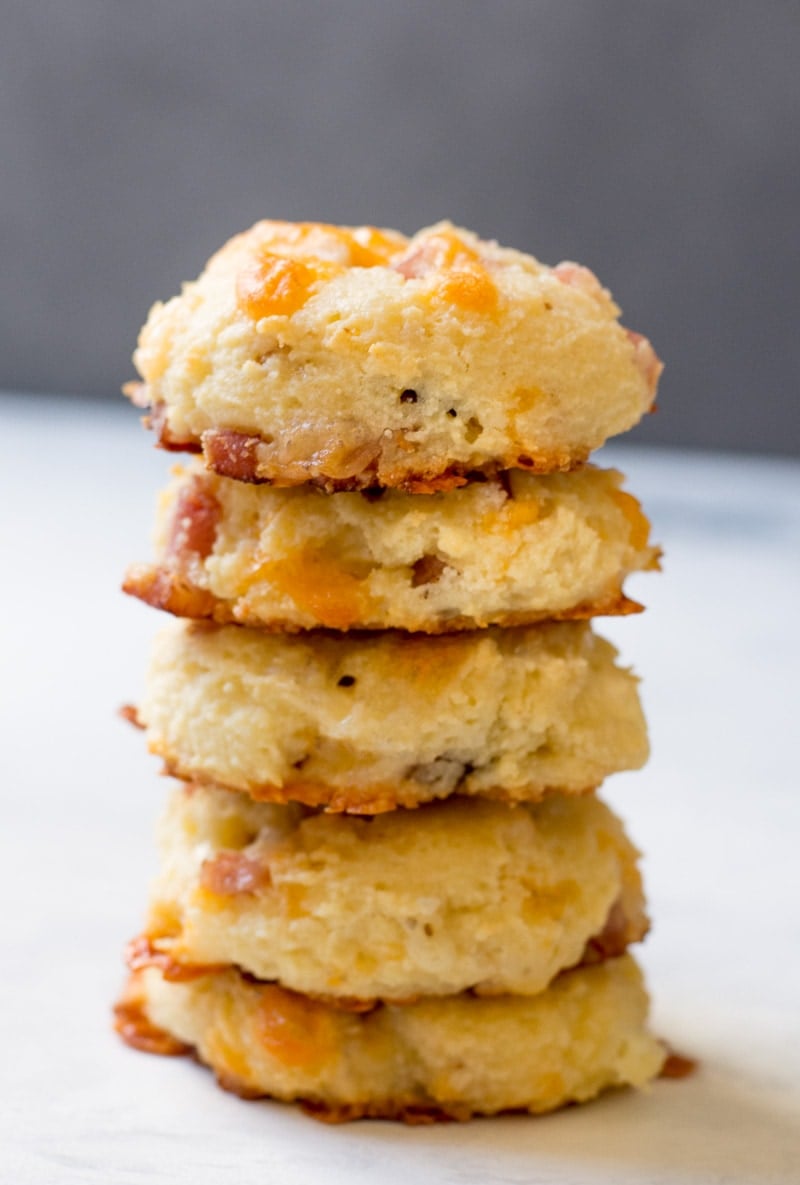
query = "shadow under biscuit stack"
{"x": 387, "y": 886}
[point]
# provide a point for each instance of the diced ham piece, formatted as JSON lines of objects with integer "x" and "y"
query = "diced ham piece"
{"x": 646, "y": 359}
{"x": 230, "y": 874}
{"x": 195, "y": 521}
{"x": 577, "y": 276}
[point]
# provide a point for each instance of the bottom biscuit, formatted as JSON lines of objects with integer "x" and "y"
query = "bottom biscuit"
{"x": 447, "y": 1058}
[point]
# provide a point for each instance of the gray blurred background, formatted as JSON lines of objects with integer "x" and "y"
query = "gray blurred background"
{"x": 655, "y": 142}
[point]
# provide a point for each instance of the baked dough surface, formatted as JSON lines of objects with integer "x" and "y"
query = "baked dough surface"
{"x": 355, "y": 357}
{"x": 499, "y": 552}
{"x": 368, "y": 722}
{"x": 463, "y": 894}
{"x": 441, "y": 1058}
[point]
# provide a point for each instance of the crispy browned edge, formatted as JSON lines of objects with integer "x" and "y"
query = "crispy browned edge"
{"x": 164, "y": 588}
{"x": 413, "y": 1114}
{"x": 129, "y": 713}
{"x": 366, "y": 800}
{"x": 135, "y": 1027}
{"x": 143, "y": 951}
{"x": 240, "y": 455}
{"x": 678, "y": 1065}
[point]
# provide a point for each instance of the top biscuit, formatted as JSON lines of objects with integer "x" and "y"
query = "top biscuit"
{"x": 353, "y": 358}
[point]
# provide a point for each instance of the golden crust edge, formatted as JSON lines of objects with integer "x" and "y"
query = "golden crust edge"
{"x": 164, "y": 588}
{"x": 367, "y": 800}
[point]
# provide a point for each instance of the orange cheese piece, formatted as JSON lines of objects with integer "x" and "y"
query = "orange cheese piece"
{"x": 296, "y": 1031}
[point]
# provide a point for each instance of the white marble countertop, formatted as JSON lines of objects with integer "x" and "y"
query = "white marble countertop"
{"x": 717, "y": 813}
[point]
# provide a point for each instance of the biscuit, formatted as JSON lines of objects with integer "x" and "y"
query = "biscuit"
{"x": 458, "y": 895}
{"x": 450, "y": 1057}
{"x": 508, "y": 552}
{"x": 354, "y": 358}
{"x": 368, "y": 722}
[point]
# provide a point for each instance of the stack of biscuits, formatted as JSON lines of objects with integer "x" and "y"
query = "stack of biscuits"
{"x": 387, "y": 886}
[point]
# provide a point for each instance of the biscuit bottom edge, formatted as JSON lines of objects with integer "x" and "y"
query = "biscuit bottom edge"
{"x": 434, "y": 1059}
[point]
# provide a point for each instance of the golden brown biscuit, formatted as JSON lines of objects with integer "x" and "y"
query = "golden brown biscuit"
{"x": 368, "y": 722}
{"x": 356, "y": 357}
{"x": 458, "y": 895}
{"x": 451, "y": 1057}
{"x": 508, "y": 552}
